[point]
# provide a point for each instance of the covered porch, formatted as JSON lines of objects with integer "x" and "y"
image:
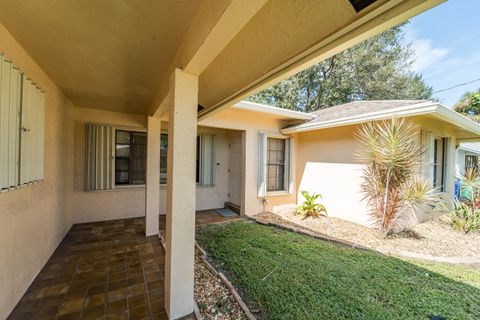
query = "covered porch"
{"x": 74, "y": 72}
{"x": 103, "y": 269}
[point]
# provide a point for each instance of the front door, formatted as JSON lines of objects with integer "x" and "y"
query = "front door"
{"x": 235, "y": 169}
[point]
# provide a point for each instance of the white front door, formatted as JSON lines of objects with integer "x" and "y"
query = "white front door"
{"x": 235, "y": 169}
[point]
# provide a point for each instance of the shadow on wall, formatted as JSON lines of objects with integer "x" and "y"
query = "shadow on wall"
{"x": 339, "y": 185}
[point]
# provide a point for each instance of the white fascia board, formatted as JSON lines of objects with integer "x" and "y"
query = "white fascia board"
{"x": 437, "y": 109}
{"x": 263, "y": 108}
{"x": 469, "y": 149}
{"x": 406, "y": 111}
{"x": 457, "y": 119}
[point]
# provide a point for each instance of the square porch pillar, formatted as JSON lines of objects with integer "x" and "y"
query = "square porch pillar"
{"x": 152, "y": 184}
{"x": 180, "y": 220}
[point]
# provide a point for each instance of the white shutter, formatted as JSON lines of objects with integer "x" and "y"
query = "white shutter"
{"x": 26, "y": 139}
{"x": 41, "y": 135}
{"x": 37, "y": 131}
{"x": 428, "y": 157}
{"x": 262, "y": 165}
{"x": 100, "y": 157}
{"x": 10, "y": 80}
{"x": 290, "y": 164}
{"x": 4, "y": 121}
{"x": 207, "y": 160}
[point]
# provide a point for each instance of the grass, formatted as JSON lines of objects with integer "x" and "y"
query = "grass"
{"x": 284, "y": 275}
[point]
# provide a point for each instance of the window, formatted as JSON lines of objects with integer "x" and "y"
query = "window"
{"x": 163, "y": 158}
{"x": 22, "y": 118}
{"x": 116, "y": 157}
{"x": 471, "y": 162}
{"x": 275, "y": 165}
{"x": 130, "y": 157}
{"x": 439, "y": 163}
{"x": 204, "y": 162}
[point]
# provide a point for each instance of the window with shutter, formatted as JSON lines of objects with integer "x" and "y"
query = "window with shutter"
{"x": 275, "y": 174}
{"x": 22, "y": 125}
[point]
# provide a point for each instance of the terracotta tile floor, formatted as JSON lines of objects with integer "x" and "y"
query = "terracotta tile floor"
{"x": 203, "y": 217}
{"x": 103, "y": 270}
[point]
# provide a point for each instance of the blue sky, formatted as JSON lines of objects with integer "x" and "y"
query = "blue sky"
{"x": 446, "y": 40}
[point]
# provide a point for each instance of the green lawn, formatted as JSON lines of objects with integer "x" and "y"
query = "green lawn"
{"x": 314, "y": 279}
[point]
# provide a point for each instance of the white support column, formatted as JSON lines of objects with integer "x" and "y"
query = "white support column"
{"x": 180, "y": 226}
{"x": 152, "y": 185}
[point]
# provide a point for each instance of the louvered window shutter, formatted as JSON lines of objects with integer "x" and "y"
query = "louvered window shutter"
{"x": 262, "y": 165}
{"x": 428, "y": 156}
{"x": 10, "y": 90}
{"x": 22, "y": 125}
{"x": 100, "y": 157}
{"x": 207, "y": 160}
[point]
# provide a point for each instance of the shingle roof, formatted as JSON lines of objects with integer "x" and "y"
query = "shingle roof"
{"x": 354, "y": 109}
{"x": 357, "y": 108}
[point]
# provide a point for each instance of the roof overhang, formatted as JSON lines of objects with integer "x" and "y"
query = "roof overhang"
{"x": 266, "y": 109}
{"x": 434, "y": 109}
{"x": 470, "y": 147}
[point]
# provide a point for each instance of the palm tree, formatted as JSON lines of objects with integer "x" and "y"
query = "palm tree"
{"x": 391, "y": 186}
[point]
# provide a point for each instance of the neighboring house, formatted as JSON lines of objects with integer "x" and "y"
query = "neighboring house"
{"x": 467, "y": 156}
{"x": 126, "y": 68}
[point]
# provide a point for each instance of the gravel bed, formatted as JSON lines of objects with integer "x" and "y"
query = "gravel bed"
{"x": 214, "y": 299}
{"x": 433, "y": 238}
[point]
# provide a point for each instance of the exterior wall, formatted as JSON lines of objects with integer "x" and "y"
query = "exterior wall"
{"x": 104, "y": 205}
{"x": 251, "y": 124}
{"x": 327, "y": 165}
{"x": 35, "y": 218}
{"x": 128, "y": 202}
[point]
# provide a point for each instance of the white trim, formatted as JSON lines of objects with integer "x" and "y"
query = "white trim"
{"x": 263, "y": 108}
{"x": 469, "y": 149}
{"x": 262, "y": 175}
{"x": 437, "y": 109}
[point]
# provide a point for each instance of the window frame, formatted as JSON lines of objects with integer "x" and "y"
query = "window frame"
{"x": 444, "y": 162}
{"x": 198, "y": 161}
{"x": 263, "y": 165}
{"x": 129, "y": 184}
{"x": 475, "y": 161}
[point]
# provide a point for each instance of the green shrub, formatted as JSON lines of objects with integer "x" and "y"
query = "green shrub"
{"x": 463, "y": 217}
{"x": 309, "y": 207}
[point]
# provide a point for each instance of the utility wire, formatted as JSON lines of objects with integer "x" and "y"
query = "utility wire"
{"x": 458, "y": 85}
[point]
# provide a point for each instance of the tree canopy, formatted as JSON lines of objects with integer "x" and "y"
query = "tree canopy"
{"x": 469, "y": 105}
{"x": 379, "y": 68}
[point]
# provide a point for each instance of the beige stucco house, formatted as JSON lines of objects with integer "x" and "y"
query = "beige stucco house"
{"x": 93, "y": 92}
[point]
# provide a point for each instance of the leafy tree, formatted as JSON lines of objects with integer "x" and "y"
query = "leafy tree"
{"x": 376, "y": 69}
{"x": 469, "y": 105}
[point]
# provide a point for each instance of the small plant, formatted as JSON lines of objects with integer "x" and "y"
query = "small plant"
{"x": 309, "y": 207}
{"x": 465, "y": 215}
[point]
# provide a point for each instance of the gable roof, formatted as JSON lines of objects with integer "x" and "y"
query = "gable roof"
{"x": 363, "y": 111}
{"x": 356, "y": 108}
{"x": 281, "y": 112}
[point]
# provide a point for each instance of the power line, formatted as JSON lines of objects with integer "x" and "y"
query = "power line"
{"x": 458, "y": 85}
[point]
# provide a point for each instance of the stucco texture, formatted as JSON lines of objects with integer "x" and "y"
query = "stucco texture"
{"x": 36, "y": 217}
